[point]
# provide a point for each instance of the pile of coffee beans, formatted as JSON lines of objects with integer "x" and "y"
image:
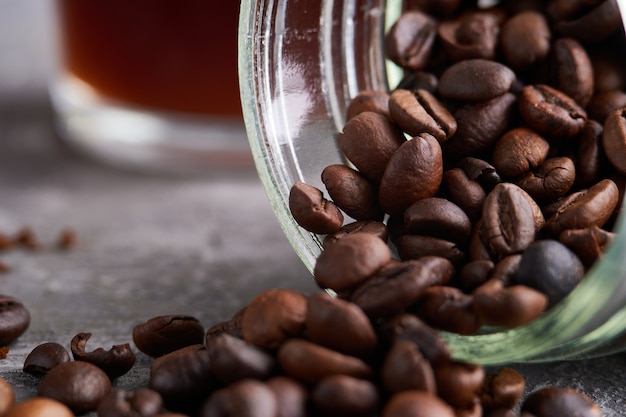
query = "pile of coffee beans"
{"x": 285, "y": 354}
{"x": 494, "y": 171}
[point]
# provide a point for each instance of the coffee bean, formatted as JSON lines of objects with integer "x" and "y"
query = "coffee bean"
{"x": 39, "y": 407}
{"x": 164, "y": 334}
{"x": 466, "y": 193}
{"x": 246, "y": 398}
{"x": 502, "y": 389}
{"x": 311, "y": 210}
{"x": 273, "y": 316}
{"x": 375, "y": 228}
{"x": 614, "y": 139}
{"x": 438, "y": 217}
{"x": 588, "y": 243}
{"x": 419, "y": 111}
{"x": 142, "y": 402}
{"x": 341, "y": 395}
{"x": 368, "y": 100}
{"x": 77, "y": 384}
{"x": 291, "y": 396}
{"x": 7, "y": 396}
{"x": 14, "y": 319}
{"x": 45, "y": 357}
{"x": 232, "y": 327}
{"x": 416, "y": 404}
{"x": 559, "y": 401}
{"x": 589, "y": 159}
{"x": 518, "y": 151}
{"x": 405, "y": 368}
{"x": 597, "y": 24}
{"x": 458, "y": 383}
{"x": 114, "y": 362}
{"x": 474, "y": 273}
{"x": 481, "y": 171}
{"x": 449, "y": 309}
{"x": 525, "y": 39}
{"x": 410, "y": 40}
{"x": 419, "y": 80}
{"x": 550, "y": 180}
{"x": 604, "y": 103}
{"x": 352, "y": 193}
{"x": 473, "y": 35}
{"x": 475, "y": 80}
{"x": 573, "y": 70}
{"x": 417, "y": 246}
{"x": 506, "y": 269}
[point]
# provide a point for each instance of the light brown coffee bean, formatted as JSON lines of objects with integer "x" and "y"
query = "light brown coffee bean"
{"x": 502, "y": 389}
{"x": 458, "y": 383}
{"x": 352, "y": 193}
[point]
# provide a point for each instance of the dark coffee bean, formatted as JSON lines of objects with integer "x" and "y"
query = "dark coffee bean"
{"x": 310, "y": 363}
{"x": 273, "y": 316}
{"x": 183, "y": 378}
{"x": 45, "y": 357}
{"x": 375, "y": 228}
{"x": 597, "y": 24}
{"x": 509, "y": 223}
{"x": 589, "y": 158}
{"x": 312, "y": 211}
{"x": 14, "y": 319}
{"x": 506, "y": 269}
{"x": 352, "y": 193}
{"x": 573, "y": 70}
{"x": 405, "y": 368}
{"x": 419, "y": 111}
{"x": 550, "y": 180}
{"x": 417, "y": 246}
{"x": 559, "y": 401}
{"x": 246, "y": 398}
{"x": 475, "y": 80}
{"x": 608, "y": 70}
{"x": 368, "y": 100}
{"x": 481, "y": 171}
{"x": 369, "y": 140}
{"x": 39, "y": 407}
{"x": 466, "y": 193}
{"x": 592, "y": 207}
{"x": 291, "y": 396}
{"x": 525, "y": 39}
{"x": 163, "y": 334}
{"x": 416, "y": 404}
{"x": 339, "y": 325}
{"x": 232, "y": 327}
{"x": 438, "y": 217}
{"x": 410, "y": 40}
{"x": 458, "y": 383}
{"x": 474, "y": 35}
{"x": 550, "y": 111}
{"x": 551, "y": 268}
{"x": 350, "y": 261}
{"x": 502, "y": 389}
{"x": 437, "y": 8}
{"x": 449, "y": 309}
{"x": 142, "y": 402}
{"x": 414, "y": 172}
{"x": 614, "y": 139}
{"x": 518, "y": 151}
{"x": 114, "y": 362}
{"x": 342, "y": 395}
{"x": 604, "y": 103}
{"x": 7, "y": 396}
{"x": 419, "y": 80}
{"x": 510, "y": 306}
{"x": 233, "y": 359}
{"x": 398, "y": 285}
{"x": 77, "y": 384}
{"x": 588, "y": 243}
{"x": 478, "y": 250}
{"x": 474, "y": 273}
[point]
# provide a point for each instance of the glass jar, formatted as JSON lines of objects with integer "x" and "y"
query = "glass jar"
{"x": 300, "y": 63}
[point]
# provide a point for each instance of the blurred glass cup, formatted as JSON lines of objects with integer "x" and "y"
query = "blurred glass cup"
{"x": 150, "y": 84}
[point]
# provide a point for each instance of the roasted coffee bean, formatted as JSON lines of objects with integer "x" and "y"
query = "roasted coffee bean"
{"x": 246, "y": 398}
{"x": 509, "y": 306}
{"x": 352, "y": 193}
{"x": 478, "y": 250}
{"x": 416, "y": 404}
{"x": 573, "y": 70}
{"x": 397, "y": 285}
{"x": 311, "y": 210}
{"x": 604, "y": 103}
{"x": 608, "y": 70}
{"x": 551, "y": 268}
{"x": 473, "y": 35}
{"x": 39, "y": 407}
{"x": 232, "y": 327}
{"x": 373, "y": 227}
{"x": 414, "y": 172}
{"x": 614, "y": 139}
{"x": 589, "y": 208}
{"x": 233, "y": 359}
{"x": 164, "y": 334}
{"x": 481, "y": 171}
{"x": 410, "y": 40}
{"x": 14, "y": 319}
{"x": 597, "y": 24}
{"x": 405, "y": 368}
{"x": 550, "y": 180}
{"x": 7, "y": 396}
{"x": 509, "y": 222}
{"x": 291, "y": 396}
{"x": 350, "y": 261}
{"x": 77, "y": 384}
{"x": 419, "y": 111}
{"x": 368, "y": 100}
{"x": 342, "y": 395}
{"x": 183, "y": 378}
{"x": 114, "y": 362}
{"x": 474, "y": 273}
{"x": 589, "y": 159}
{"x": 525, "y": 39}
{"x": 550, "y": 111}
{"x": 339, "y": 325}
{"x": 142, "y": 402}
{"x": 502, "y": 389}
{"x": 273, "y": 316}
{"x": 369, "y": 140}
{"x": 506, "y": 269}
{"x": 438, "y": 217}
{"x": 449, "y": 309}
{"x": 458, "y": 383}
{"x": 588, "y": 244}
{"x": 417, "y": 246}
{"x": 419, "y": 80}
{"x": 559, "y": 401}
{"x": 518, "y": 151}
{"x": 45, "y": 357}
{"x": 466, "y": 193}
{"x": 475, "y": 80}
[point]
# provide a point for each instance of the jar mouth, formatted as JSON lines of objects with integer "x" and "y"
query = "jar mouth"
{"x": 297, "y": 73}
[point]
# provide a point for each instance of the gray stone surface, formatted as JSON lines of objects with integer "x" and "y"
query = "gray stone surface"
{"x": 147, "y": 245}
